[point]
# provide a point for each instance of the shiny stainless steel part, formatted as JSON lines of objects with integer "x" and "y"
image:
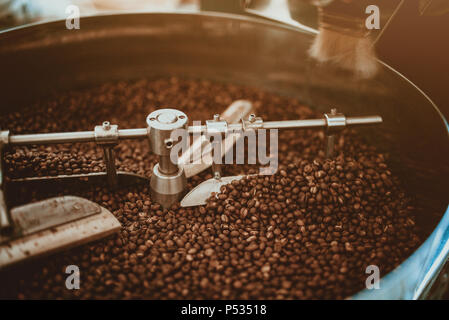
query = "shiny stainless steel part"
{"x": 191, "y": 159}
{"x": 167, "y": 189}
{"x": 106, "y": 136}
{"x": 94, "y": 178}
{"x": 38, "y": 216}
{"x": 255, "y": 123}
{"x": 89, "y": 136}
{"x": 42, "y": 58}
{"x": 168, "y": 181}
{"x": 198, "y": 195}
{"x": 335, "y": 122}
{"x": 54, "y": 224}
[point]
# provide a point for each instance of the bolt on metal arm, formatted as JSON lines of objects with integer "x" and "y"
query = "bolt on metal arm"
{"x": 106, "y": 136}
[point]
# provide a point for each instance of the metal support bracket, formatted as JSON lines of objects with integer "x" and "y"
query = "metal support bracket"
{"x": 107, "y": 136}
{"x": 335, "y": 123}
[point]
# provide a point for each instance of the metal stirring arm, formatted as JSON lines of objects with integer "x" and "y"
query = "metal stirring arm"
{"x": 167, "y": 183}
{"x": 332, "y": 122}
{"x": 141, "y": 133}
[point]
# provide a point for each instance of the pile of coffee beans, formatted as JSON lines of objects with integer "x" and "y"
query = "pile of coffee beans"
{"x": 308, "y": 232}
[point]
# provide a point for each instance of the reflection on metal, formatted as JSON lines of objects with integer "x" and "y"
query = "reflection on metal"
{"x": 52, "y": 225}
{"x": 38, "y": 216}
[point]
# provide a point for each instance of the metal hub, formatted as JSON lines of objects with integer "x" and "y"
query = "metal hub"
{"x": 168, "y": 182}
{"x": 166, "y": 119}
{"x": 167, "y": 189}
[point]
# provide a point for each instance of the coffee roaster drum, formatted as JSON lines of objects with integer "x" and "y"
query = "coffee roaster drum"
{"x": 41, "y": 59}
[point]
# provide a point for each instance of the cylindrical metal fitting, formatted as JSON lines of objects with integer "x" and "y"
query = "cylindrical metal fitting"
{"x": 167, "y": 189}
{"x": 166, "y": 166}
{"x": 168, "y": 182}
{"x": 161, "y": 124}
{"x": 335, "y": 121}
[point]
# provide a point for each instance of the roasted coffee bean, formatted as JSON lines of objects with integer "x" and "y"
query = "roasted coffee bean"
{"x": 307, "y": 232}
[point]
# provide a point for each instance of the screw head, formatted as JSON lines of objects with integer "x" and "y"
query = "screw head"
{"x": 106, "y": 125}
{"x": 252, "y": 117}
{"x": 168, "y": 143}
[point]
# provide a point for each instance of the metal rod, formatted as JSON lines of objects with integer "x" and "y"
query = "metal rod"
{"x": 217, "y": 170}
{"x": 294, "y": 124}
{"x": 166, "y": 166}
{"x": 111, "y": 171}
{"x": 89, "y": 136}
{"x": 124, "y": 178}
{"x": 330, "y": 145}
{"x": 202, "y": 129}
{"x": 355, "y": 121}
{"x": 216, "y": 167}
{"x": 71, "y": 137}
{"x": 52, "y": 138}
{"x": 132, "y": 133}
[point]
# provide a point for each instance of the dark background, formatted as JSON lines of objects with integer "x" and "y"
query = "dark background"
{"x": 418, "y": 47}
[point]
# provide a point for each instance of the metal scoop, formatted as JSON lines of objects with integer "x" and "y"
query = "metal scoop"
{"x": 198, "y": 195}
{"x": 52, "y": 225}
